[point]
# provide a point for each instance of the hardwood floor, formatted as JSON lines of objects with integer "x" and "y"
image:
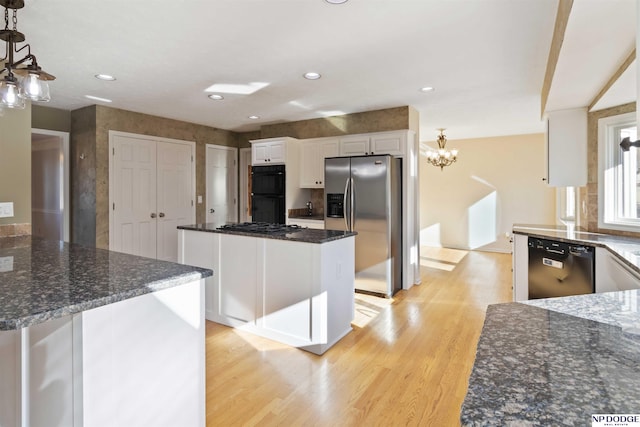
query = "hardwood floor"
{"x": 409, "y": 365}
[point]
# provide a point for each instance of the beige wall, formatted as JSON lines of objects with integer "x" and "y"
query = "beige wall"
{"x": 15, "y": 169}
{"x": 495, "y": 183}
{"x": 90, "y": 134}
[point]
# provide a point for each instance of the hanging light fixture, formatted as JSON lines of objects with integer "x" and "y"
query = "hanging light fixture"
{"x": 31, "y": 82}
{"x": 442, "y": 157}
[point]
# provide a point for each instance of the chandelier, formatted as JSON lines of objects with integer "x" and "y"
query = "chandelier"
{"x": 31, "y": 81}
{"x": 442, "y": 157}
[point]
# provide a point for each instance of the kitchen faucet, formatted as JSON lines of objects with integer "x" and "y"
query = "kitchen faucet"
{"x": 309, "y": 208}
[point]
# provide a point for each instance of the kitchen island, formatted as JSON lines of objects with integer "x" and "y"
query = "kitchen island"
{"x": 295, "y": 286}
{"x": 93, "y": 337}
{"x": 556, "y": 361}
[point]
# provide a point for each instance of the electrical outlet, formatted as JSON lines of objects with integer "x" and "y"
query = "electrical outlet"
{"x": 6, "y": 264}
{"x": 6, "y": 210}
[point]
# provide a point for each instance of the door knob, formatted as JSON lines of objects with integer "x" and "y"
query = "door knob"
{"x": 161, "y": 214}
{"x": 153, "y": 215}
{"x": 212, "y": 210}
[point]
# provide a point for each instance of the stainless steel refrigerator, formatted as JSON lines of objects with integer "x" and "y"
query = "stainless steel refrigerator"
{"x": 364, "y": 194}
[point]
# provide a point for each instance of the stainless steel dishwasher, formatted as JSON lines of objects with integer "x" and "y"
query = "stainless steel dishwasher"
{"x": 558, "y": 269}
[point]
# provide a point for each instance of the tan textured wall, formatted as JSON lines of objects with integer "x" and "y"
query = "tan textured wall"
{"x": 82, "y": 153}
{"x": 370, "y": 121}
{"x": 94, "y": 123}
{"x": 589, "y": 194}
{"x": 50, "y": 118}
{"x": 245, "y": 137}
{"x": 15, "y": 169}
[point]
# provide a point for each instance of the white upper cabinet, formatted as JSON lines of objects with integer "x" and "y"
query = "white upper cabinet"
{"x": 268, "y": 151}
{"x": 375, "y": 143}
{"x": 567, "y": 148}
{"x": 312, "y": 155}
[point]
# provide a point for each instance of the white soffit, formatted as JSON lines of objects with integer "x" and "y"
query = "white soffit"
{"x": 600, "y": 35}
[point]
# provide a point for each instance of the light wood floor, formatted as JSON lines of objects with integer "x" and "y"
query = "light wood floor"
{"x": 409, "y": 365}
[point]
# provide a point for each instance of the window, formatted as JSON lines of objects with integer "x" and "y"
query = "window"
{"x": 619, "y": 174}
{"x": 566, "y": 204}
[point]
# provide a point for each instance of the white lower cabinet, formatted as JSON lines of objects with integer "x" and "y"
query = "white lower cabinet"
{"x": 297, "y": 293}
{"x": 612, "y": 274}
{"x": 137, "y": 362}
{"x": 520, "y": 264}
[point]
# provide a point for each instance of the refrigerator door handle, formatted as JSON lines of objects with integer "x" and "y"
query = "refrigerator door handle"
{"x": 344, "y": 204}
{"x": 352, "y": 207}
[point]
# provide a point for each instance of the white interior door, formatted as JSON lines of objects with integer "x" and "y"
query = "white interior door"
{"x": 222, "y": 185}
{"x": 151, "y": 192}
{"x": 133, "y": 195}
{"x": 175, "y": 196}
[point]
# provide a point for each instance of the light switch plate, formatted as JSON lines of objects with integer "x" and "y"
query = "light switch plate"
{"x": 6, "y": 210}
{"x": 199, "y": 199}
{"x": 6, "y": 264}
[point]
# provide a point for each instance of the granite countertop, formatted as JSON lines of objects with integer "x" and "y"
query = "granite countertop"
{"x": 626, "y": 249}
{"x": 556, "y": 361}
{"x": 42, "y": 280}
{"x": 306, "y": 235}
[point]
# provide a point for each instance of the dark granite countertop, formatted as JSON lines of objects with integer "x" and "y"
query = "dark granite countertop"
{"x": 42, "y": 280}
{"x": 627, "y": 249}
{"x": 556, "y": 363}
{"x": 307, "y": 235}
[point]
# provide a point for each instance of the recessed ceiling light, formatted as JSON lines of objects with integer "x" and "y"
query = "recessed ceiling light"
{"x": 216, "y": 97}
{"x": 254, "y": 117}
{"x": 427, "y": 89}
{"x": 97, "y": 98}
{"x": 312, "y": 76}
{"x": 336, "y": 1}
{"x": 105, "y": 77}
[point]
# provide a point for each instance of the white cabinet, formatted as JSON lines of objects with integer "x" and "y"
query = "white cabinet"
{"x": 312, "y": 155}
{"x": 375, "y": 143}
{"x": 612, "y": 274}
{"x": 268, "y": 151}
{"x": 297, "y": 293}
{"x": 520, "y": 264}
{"x": 566, "y": 136}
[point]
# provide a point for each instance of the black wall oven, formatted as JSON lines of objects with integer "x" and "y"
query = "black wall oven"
{"x": 268, "y": 188}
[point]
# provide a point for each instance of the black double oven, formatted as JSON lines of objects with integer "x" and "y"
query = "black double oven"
{"x": 268, "y": 188}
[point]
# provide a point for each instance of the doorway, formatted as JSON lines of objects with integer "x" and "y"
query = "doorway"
{"x": 50, "y": 184}
{"x": 222, "y": 184}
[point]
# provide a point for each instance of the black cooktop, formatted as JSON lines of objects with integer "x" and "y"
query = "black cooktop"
{"x": 261, "y": 227}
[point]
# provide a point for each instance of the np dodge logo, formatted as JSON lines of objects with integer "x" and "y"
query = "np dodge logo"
{"x": 615, "y": 420}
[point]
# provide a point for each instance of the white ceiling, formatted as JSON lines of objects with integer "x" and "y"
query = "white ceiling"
{"x": 485, "y": 58}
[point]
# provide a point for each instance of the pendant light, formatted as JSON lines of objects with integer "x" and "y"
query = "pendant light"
{"x": 21, "y": 78}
